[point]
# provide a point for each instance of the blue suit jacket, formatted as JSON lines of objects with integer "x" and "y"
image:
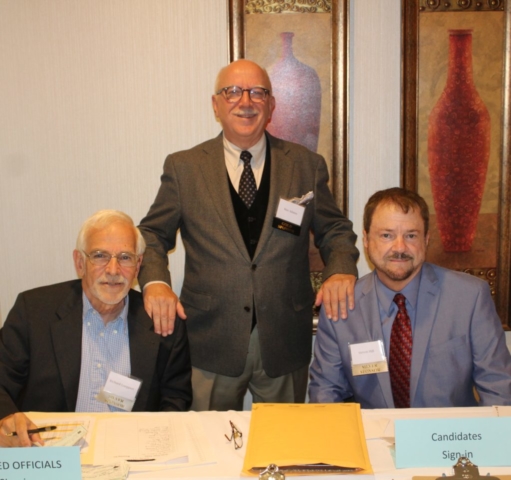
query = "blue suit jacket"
{"x": 458, "y": 343}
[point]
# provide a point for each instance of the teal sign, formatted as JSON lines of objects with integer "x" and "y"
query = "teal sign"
{"x": 35, "y": 463}
{"x": 440, "y": 442}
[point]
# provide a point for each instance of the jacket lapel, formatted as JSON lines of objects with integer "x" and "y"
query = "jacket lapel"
{"x": 144, "y": 347}
{"x": 217, "y": 182}
{"x": 281, "y": 176}
{"x": 66, "y": 332}
{"x": 371, "y": 316}
{"x": 427, "y": 305}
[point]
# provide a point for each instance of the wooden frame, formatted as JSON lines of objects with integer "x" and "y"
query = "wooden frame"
{"x": 338, "y": 9}
{"x": 419, "y": 14}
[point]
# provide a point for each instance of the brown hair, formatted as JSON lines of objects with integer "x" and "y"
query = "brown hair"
{"x": 405, "y": 199}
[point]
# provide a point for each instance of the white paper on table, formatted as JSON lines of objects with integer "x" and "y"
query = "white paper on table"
{"x": 198, "y": 448}
{"x": 139, "y": 438}
{"x": 375, "y": 427}
{"x": 198, "y": 444}
{"x": 173, "y": 441}
{"x": 66, "y": 426}
{"x": 115, "y": 471}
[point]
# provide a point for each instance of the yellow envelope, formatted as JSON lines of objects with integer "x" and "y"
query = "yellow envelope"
{"x": 307, "y": 439}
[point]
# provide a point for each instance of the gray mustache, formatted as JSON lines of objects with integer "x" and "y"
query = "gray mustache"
{"x": 248, "y": 111}
{"x": 400, "y": 256}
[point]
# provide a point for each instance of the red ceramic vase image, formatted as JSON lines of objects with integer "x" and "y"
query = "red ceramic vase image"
{"x": 298, "y": 92}
{"x": 458, "y": 148}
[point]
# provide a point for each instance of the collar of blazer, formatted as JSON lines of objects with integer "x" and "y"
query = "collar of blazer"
{"x": 281, "y": 176}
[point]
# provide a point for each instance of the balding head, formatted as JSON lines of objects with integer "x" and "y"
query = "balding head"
{"x": 245, "y": 120}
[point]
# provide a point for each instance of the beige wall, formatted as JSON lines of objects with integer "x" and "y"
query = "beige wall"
{"x": 95, "y": 93}
{"x": 375, "y": 96}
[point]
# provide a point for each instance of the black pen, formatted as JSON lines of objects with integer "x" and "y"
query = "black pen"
{"x": 48, "y": 428}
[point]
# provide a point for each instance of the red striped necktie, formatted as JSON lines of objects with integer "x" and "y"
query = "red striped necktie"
{"x": 400, "y": 360}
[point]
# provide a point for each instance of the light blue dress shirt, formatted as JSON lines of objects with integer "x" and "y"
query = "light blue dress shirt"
{"x": 388, "y": 308}
{"x": 105, "y": 348}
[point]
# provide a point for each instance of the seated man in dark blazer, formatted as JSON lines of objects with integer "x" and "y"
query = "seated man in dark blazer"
{"x": 60, "y": 343}
{"x": 437, "y": 328}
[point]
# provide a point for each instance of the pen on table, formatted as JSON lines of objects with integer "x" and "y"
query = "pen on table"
{"x": 48, "y": 428}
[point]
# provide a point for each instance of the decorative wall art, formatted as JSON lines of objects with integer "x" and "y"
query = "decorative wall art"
{"x": 455, "y": 144}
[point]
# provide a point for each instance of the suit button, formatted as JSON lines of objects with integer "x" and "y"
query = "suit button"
{"x": 254, "y": 266}
{"x": 247, "y": 309}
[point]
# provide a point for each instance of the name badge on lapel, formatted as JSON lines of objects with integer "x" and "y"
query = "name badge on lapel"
{"x": 289, "y": 217}
{"x": 120, "y": 391}
{"x": 368, "y": 357}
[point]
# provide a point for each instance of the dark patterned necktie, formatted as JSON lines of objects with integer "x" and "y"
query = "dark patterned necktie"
{"x": 248, "y": 188}
{"x": 400, "y": 361}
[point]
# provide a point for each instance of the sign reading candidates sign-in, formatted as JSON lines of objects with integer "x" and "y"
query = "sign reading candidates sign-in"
{"x": 439, "y": 442}
{"x": 51, "y": 463}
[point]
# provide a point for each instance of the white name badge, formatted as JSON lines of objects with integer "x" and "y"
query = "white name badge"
{"x": 289, "y": 217}
{"x": 120, "y": 391}
{"x": 368, "y": 357}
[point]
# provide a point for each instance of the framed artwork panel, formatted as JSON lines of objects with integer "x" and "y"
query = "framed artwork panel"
{"x": 455, "y": 143}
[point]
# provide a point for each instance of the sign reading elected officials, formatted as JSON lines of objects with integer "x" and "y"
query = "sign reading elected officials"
{"x": 439, "y": 442}
{"x": 50, "y": 463}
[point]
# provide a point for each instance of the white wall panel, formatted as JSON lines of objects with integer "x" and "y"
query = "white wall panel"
{"x": 375, "y": 89}
{"x": 93, "y": 95}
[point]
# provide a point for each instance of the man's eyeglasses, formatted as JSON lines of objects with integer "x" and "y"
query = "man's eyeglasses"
{"x": 234, "y": 93}
{"x": 101, "y": 259}
{"x": 236, "y": 436}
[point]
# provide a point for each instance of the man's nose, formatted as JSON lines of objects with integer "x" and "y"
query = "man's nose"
{"x": 399, "y": 244}
{"x": 112, "y": 267}
{"x": 245, "y": 98}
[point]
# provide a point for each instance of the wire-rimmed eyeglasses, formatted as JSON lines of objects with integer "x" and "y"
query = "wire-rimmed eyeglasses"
{"x": 236, "y": 436}
{"x": 101, "y": 258}
{"x": 234, "y": 93}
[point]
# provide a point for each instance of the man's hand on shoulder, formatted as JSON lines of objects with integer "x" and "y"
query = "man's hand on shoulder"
{"x": 19, "y": 423}
{"x": 337, "y": 293}
{"x": 162, "y": 304}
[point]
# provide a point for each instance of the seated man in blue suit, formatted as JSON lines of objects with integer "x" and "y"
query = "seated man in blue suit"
{"x": 438, "y": 328}
{"x": 63, "y": 346}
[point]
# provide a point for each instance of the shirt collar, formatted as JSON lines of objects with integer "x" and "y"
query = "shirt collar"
{"x": 258, "y": 152}
{"x": 122, "y": 319}
{"x": 386, "y": 295}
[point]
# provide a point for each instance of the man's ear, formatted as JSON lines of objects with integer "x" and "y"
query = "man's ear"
{"x": 79, "y": 261}
{"x": 364, "y": 238}
{"x": 139, "y": 262}
{"x": 273, "y": 104}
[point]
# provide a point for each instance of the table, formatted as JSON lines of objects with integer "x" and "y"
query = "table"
{"x": 379, "y": 431}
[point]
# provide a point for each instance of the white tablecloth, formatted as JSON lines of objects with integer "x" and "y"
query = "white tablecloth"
{"x": 379, "y": 431}
{"x": 376, "y": 422}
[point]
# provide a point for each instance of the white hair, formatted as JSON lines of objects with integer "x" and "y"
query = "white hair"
{"x": 104, "y": 218}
